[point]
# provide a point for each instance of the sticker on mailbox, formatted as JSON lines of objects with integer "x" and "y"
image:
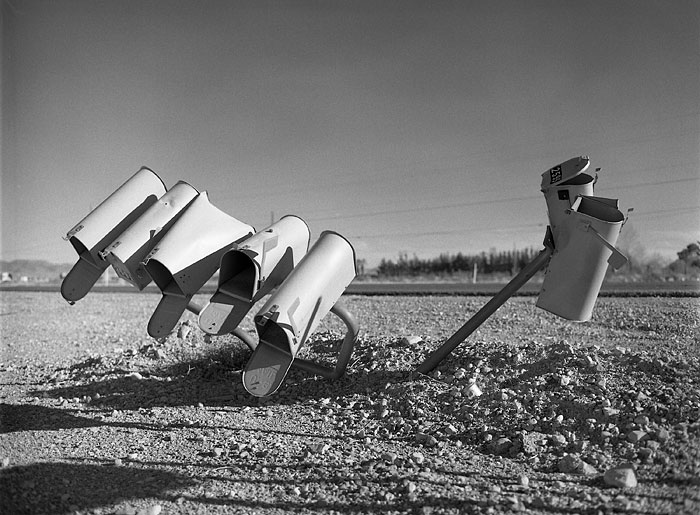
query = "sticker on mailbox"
{"x": 555, "y": 174}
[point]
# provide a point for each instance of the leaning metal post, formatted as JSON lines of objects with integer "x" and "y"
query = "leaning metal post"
{"x": 491, "y": 306}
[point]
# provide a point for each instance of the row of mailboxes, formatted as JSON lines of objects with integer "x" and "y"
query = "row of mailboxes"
{"x": 178, "y": 240}
{"x": 584, "y": 230}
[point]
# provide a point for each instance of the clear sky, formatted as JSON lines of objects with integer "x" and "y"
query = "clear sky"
{"x": 417, "y": 127}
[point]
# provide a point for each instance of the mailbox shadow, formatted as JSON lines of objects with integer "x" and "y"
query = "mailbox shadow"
{"x": 214, "y": 379}
{"x": 59, "y": 488}
{"x": 26, "y": 417}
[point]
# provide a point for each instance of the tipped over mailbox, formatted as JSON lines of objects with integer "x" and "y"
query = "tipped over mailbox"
{"x": 127, "y": 252}
{"x": 187, "y": 257}
{"x": 292, "y": 313}
{"x": 102, "y": 225}
{"x": 253, "y": 269}
{"x": 586, "y": 245}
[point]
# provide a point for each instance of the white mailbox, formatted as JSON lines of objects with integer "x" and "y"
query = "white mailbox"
{"x": 188, "y": 256}
{"x": 585, "y": 246}
{"x": 127, "y": 252}
{"x": 253, "y": 269}
{"x": 292, "y": 313}
{"x": 561, "y": 185}
{"x": 102, "y": 225}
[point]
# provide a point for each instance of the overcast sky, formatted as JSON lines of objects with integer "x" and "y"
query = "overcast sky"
{"x": 417, "y": 127}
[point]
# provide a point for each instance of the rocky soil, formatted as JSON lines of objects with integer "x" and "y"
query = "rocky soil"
{"x": 531, "y": 414}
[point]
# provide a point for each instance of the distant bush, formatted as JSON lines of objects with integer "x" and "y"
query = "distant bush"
{"x": 503, "y": 263}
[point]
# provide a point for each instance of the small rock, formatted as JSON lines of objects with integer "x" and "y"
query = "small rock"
{"x": 641, "y": 420}
{"x": 558, "y": 439}
{"x": 118, "y": 462}
{"x": 636, "y": 436}
{"x": 474, "y": 391}
{"x": 430, "y": 441}
{"x": 569, "y": 464}
{"x": 389, "y": 457}
{"x": 460, "y": 373}
{"x": 412, "y": 340}
{"x": 183, "y": 331}
{"x": 218, "y": 451}
{"x": 501, "y": 445}
{"x": 5, "y": 462}
{"x": 587, "y": 469}
{"x": 662, "y": 434}
{"x": 319, "y": 448}
{"x": 524, "y": 480}
{"x": 622, "y": 477}
{"x": 135, "y": 375}
{"x": 451, "y": 430}
{"x": 417, "y": 458}
{"x": 572, "y": 464}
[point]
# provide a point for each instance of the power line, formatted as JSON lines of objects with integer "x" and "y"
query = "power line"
{"x": 634, "y": 215}
{"x": 476, "y": 202}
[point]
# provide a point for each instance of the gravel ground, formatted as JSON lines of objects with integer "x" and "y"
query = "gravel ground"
{"x": 531, "y": 414}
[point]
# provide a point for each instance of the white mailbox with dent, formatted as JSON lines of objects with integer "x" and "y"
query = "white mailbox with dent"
{"x": 127, "y": 252}
{"x": 102, "y": 225}
{"x": 586, "y": 245}
{"x": 188, "y": 256}
{"x": 253, "y": 269}
{"x": 293, "y": 312}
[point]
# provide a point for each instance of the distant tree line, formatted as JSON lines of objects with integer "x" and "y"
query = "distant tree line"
{"x": 507, "y": 261}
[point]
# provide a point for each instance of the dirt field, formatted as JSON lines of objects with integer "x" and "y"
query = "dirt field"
{"x": 98, "y": 418}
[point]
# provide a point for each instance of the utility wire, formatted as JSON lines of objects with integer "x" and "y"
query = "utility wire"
{"x": 477, "y": 202}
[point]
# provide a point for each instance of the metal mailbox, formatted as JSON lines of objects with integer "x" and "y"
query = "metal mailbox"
{"x": 102, "y": 225}
{"x": 188, "y": 256}
{"x": 293, "y": 312}
{"x": 586, "y": 245}
{"x": 561, "y": 185}
{"x": 127, "y": 252}
{"x": 253, "y": 269}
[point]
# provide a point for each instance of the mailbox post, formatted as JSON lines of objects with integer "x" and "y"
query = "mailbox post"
{"x": 579, "y": 245}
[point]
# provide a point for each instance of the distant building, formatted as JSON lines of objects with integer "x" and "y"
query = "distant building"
{"x": 6, "y": 277}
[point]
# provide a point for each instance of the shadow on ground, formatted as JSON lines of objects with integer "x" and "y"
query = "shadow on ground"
{"x": 214, "y": 379}
{"x": 57, "y": 488}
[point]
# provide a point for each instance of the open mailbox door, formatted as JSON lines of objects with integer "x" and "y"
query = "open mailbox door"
{"x": 188, "y": 256}
{"x": 253, "y": 269}
{"x": 102, "y": 225}
{"x": 293, "y": 312}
